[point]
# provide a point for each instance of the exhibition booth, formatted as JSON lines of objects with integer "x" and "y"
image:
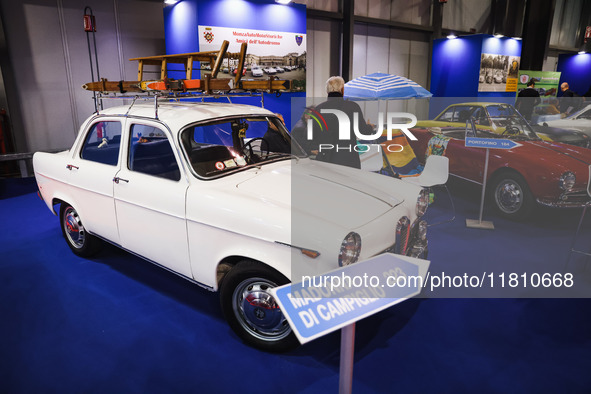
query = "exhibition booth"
{"x": 456, "y": 210}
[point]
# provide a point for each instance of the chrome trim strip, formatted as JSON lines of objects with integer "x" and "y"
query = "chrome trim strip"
{"x": 204, "y": 286}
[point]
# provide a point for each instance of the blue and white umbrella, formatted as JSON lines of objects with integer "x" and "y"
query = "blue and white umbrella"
{"x": 380, "y": 86}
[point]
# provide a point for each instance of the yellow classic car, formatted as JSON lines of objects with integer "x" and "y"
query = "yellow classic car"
{"x": 501, "y": 118}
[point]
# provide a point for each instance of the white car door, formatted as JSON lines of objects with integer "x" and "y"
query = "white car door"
{"x": 150, "y": 194}
{"x": 91, "y": 171}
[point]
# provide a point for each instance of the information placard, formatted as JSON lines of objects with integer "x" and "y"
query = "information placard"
{"x": 322, "y": 304}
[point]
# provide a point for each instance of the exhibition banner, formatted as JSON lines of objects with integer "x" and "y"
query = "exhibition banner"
{"x": 546, "y": 82}
{"x": 498, "y": 73}
{"x": 269, "y": 53}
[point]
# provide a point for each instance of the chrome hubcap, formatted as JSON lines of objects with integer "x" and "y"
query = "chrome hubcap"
{"x": 257, "y": 310}
{"x": 509, "y": 196}
{"x": 74, "y": 229}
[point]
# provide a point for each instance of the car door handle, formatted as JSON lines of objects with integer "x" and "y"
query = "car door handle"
{"x": 117, "y": 179}
{"x": 70, "y": 166}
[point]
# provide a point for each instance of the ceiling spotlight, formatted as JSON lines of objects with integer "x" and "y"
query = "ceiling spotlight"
{"x": 582, "y": 53}
{"x": 517, "y": 38}
{"x": 171, "y": 2}
{"x": 451, "y": 36}
{"x": 284, "y": 2}
{"x": 499, "y": 35}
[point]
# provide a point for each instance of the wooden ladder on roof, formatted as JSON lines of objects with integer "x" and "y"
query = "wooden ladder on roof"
{"x": 207, "y": 84}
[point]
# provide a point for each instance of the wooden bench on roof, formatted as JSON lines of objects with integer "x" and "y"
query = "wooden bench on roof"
{"x": 214, "y": 58}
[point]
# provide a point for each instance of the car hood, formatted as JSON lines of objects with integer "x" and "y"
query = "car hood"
{"x": 579, "y": 154}
{"x": 560, "y": 134}
{"x": 340, "y": 195}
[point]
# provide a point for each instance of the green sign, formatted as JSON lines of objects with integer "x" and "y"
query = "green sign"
{"x": 546, "y": 82}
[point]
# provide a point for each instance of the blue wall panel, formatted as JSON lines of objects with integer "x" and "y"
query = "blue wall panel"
{"x": 576, "y": 70}
{"x": 455, "y": 69}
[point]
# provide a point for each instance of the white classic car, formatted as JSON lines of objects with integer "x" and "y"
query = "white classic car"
{"x": 580, "y": 120}
{"x": 202, "y": 190}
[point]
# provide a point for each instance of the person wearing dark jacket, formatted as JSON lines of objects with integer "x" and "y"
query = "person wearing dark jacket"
{"x": 527, "y": 99}
{"x": 331, "y": 148}
{"x": 568, "y": 102}
{"x": 300, "y": 131}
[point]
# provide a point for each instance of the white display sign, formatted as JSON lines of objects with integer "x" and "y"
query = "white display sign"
{"x": 260, "y": 42}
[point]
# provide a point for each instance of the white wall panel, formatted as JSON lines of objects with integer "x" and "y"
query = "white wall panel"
{"x": 324, "y": 5}
{"x": 318, "y": 57}
{"x": 463, "y": 15}
{"x": 379, "y": 9}
{"x": 378, "y": 47}
{"x": 417, "y": 12}
{"x": 550, "y": 63}
{"x": 49, "y": 56}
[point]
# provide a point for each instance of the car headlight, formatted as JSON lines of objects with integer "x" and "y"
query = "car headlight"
{"x": 350, "y": 249}
{"x": 567, "y": 181}
{"x": 422, "y": 230}
{"x": 422, "y": 202}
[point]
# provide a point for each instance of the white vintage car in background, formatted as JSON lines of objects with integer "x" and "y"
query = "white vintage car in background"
{"x": 204, "y": 191}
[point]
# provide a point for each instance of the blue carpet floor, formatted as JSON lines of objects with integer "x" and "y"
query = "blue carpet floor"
{"x": 116, "y": 324}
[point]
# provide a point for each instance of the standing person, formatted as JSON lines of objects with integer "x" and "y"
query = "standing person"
{"x": 300, "y": 130}
{"x": 527, "y": 99}
{"x": 331, "y": 149}
{"x": 567, "y": 102}
{"x": 275, "y": 140}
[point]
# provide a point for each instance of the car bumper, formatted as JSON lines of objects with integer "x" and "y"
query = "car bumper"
{"x": 576, "y": 199}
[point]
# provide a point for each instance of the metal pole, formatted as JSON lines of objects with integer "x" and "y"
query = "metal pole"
{"x": 483, "y": 185}
{"x": 346, "y": 363}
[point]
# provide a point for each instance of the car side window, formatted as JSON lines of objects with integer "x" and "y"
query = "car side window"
{"x": 480, "y": 116}
{"x": 150, "y": 153}
{"x": 102, "y": 143}
{"x": 447, "y": 116}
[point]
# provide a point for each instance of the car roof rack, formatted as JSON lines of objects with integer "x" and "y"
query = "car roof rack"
{"x": 175, "y": 97}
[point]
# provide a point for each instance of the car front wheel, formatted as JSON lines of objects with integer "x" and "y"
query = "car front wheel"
{"x": 251, "y": 310}
{"x": 512, "y": 196}
{"x": 79, "y": 240}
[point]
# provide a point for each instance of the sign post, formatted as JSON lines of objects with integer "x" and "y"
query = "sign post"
{"x": 336, "y": 300}
{"x": 487, "y": 143}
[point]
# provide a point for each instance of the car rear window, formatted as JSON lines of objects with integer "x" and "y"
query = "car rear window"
{"x": 102, "y": 143}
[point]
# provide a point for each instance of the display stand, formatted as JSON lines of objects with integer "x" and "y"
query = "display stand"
{"x": 473, "y": 223}
{"x": 347, "y": 359}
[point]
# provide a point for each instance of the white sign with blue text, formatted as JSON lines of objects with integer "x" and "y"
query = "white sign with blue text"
{"x": 321, "y": 304}
{"x": 491, "y": 143}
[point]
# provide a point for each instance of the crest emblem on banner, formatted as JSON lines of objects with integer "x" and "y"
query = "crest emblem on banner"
{"x": 299, "y": 39}
{"x": 208, "y": 35}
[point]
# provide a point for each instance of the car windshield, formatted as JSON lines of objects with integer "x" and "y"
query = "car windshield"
{"x": 508, "y": 122}
{"x": 233, "y": 144}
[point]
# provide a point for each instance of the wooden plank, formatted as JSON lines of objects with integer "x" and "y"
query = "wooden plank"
{"x": 241, "y": 60}
{"x": 163, "y": 69}
{"x": 218, "y": 61}
{"x": 140, "y": 70}
{"x": 189, "y": 67}
{"x": 113, "y": 86}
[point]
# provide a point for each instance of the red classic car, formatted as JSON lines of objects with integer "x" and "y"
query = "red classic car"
{"x": 549, "y": 173}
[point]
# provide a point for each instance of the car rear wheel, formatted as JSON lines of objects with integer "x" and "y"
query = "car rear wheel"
{"x": 512, "y": 196}
{"x": 251, "y": 310}
{"x": 79, "y": 240}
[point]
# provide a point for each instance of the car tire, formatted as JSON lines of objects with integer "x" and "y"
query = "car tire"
{"x": 78, "y": 239}
{"x": 251, "y": 310}
{"x": 511, "y": 196}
